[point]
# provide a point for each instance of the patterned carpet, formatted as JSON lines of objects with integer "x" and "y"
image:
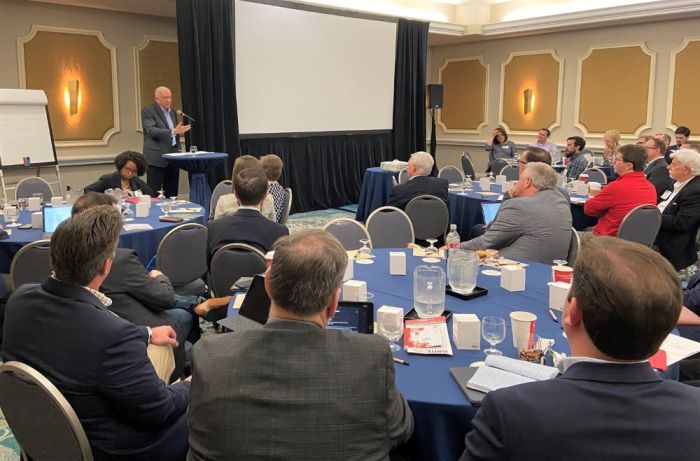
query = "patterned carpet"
{"x": 9, "y": 451}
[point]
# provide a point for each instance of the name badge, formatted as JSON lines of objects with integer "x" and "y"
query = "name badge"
{"x": 666, "y": 194}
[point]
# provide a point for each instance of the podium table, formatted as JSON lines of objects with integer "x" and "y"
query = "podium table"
{"x": 196, "y": 164}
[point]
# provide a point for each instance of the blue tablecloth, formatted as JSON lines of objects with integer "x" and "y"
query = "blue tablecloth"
{"x": 196, "y": 165}
{"x": 145, "y": 242}
{"x": 376, "y": 187}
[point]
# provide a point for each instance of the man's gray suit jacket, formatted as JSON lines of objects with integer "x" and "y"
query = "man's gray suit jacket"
{"x": 537, "y": 228}
{"x": 157, "y": 137}
{"x": 294, "y": 391}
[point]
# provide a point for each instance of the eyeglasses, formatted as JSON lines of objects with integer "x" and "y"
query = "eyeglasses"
{"x": 522, "y": 162}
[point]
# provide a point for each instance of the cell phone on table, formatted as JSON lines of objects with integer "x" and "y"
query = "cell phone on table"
{"x": 413, "y": 315}
{"x": 25, "y": 226}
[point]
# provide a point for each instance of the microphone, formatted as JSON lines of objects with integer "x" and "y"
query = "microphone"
{"x": 182, "y": 114}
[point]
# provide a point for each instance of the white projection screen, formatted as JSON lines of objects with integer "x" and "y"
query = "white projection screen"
{"x": 300, "y": 71}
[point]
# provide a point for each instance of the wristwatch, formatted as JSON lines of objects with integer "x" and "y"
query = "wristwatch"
{"x": 150, "y": 333}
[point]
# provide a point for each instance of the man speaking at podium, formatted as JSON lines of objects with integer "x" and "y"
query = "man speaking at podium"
{"x": 161, "y": 135}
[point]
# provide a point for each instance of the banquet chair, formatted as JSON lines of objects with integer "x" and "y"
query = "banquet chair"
{"x": 26, "y": 187}
{"x": 429, "y": 217}
{"x": 641, "y": 225}
{"x": 452, "y": 174}
{"x": 403, "y": 176}
{"x": 468, "y": 166}
{"x": 223, "y": 188}
{"x": 41, "y": 419}
{"x": 286, "y": 206}
{"x": 182, "y": 256}
{"x": 596, "y": 175}
{"x": 31, "y": 264}
{"x": 231, "y": 262}
{"x": 348, "y": 232}
{"x": 389, "y": 227}
{"x": 574, "y": 247}
{"x": 498, "y": 165}
{"x": 511, "y": 172}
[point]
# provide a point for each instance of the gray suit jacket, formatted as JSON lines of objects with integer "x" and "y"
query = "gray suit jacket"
{"x": 294, "y": 391}
{"x": 157, "y": 139}
{"x": 537, "y": 228}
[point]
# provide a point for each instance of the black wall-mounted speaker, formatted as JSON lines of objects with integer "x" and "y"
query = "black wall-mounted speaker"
{"x": 435, "y": 96}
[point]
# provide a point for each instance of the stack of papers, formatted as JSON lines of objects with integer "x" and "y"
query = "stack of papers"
{"x": 137, "y": 227}
{"x": 677, "y": 348}
{"x": 427, "y": 336}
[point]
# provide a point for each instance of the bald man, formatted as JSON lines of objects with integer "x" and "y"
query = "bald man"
{"x": 161, "y": 135}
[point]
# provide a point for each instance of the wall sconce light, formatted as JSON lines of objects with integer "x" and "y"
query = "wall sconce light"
{"x": 71, "y": 96}
{"x": 528, "y": 101}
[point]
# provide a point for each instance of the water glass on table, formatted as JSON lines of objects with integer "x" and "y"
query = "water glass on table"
{"x": 493, "y": 330}
{"x": 12, "y": 215}
{"x": 391, "y": 327}
{"x": 462, "y": 270}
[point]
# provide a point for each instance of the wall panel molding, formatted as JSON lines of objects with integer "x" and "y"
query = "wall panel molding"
{"x": 140, "y": 79}
{"x": 621, "y": 59}
{"x": 22, "y": 63}
{"x": 454, "y": 95}
{"x": 686, "y": 87}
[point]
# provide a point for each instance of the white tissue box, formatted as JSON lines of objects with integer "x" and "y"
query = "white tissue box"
{"x": 355, "y": 290}
{"x": 484, "y": 184}
{"x": 34, "y": 203}
{"x": 513, "y": 278}
{"x": 501, "y": 179}
{"x": 557, "y": 294}
{"x": 397, "y": 263}
{"x": 142, "y": 209}
{"x": 466, "y": 331}
{"x": 56, "y": 201}
{"x": 37, "y": 220}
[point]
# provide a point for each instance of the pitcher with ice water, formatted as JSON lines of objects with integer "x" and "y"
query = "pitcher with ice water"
{"x": 429, "y": 291}
{"x": 462, "y": 269}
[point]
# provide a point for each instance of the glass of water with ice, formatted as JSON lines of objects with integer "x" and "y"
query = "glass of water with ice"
{"x": 462, "y": 269}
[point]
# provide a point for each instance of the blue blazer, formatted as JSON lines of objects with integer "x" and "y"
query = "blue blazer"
{"x": 418, "y": 185}
{"x": 594, "y": 411}
{"x": 98, "y": 361}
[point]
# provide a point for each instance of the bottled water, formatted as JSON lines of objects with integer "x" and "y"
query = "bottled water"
{"x": 452, "y": 240}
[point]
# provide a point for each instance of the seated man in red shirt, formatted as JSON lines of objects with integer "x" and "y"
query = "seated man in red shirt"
{"x": 630, "y": 190}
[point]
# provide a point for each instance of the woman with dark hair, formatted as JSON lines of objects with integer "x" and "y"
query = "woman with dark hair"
{"x": 130, "y": 165}
{"x": 499, "y": 147}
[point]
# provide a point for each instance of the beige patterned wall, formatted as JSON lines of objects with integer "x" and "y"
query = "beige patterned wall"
{"x": 539, "y": 72}
{"x": 465, "y": 87}
{"x": 615, "y": 90}
{"x": 51, "y": 60}
{"x": 158, "y": 65}
{"x": 686, "y": 97}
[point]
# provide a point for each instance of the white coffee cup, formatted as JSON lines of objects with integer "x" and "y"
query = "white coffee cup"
{"x": 523, "y": 325}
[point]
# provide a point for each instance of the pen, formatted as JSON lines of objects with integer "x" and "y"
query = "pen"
{"x": 401, "y": 361}
{"x": 553, "y": 315}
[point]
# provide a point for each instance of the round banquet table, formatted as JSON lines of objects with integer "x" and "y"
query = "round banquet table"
{"x": 196, "y": 165}
{"x": 145, "y": 242}
{"x": 441, "y": 411}
{"x": 376, "y": 187}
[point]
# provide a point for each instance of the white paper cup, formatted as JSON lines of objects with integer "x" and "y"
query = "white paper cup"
{"x": 562, "y": 274}
{"x": 583, "y": 177}
{"x": 500, "y": 179}
{"x": 523, "y": 325}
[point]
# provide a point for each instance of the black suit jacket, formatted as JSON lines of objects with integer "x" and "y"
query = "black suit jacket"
{"x": 157, "y": 139}
{"x": 418, "y": 185}
{"x": 244, "y": 226}
{"x": 594, "y": 411}
{"x": 113, "y": 181}
{"x": 98, "y": 361}
{"x": 135, "y": 295}
{"x": 657, "y": 174}
{"x": 679, "y": 226}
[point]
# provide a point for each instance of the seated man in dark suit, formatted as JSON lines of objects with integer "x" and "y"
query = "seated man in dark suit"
{"x": 680, "y": 211}
{"x": 130, "y": 165}
{"x": 98, "y": 361}
{"x": 419, "y": 182}
{"x": 608, "y": 404}
{"x": 656, "y": 168}
{"x": 247, "y": 225}
{"x": 293, "y": 390}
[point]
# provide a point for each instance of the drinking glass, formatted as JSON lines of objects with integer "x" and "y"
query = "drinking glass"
{"x": 22, "y": 204}
{"x": 365, "y": 252}
{"x": 560, "y": 262}
{"x": 161, "y": 194}
{"x": 462, "y": 270}
{"x": 391, "y": 327}
{"x": 429, "y": 291}
{"x": 173, "y": 202}
{"x": 12, "y": 215}
{"x": 492, "y": 261}
{"x": 127, "y": 212}
{"x": 493, "y": 330}
{"x": 166, "y": 206}
{"x": 431, "y": 250}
